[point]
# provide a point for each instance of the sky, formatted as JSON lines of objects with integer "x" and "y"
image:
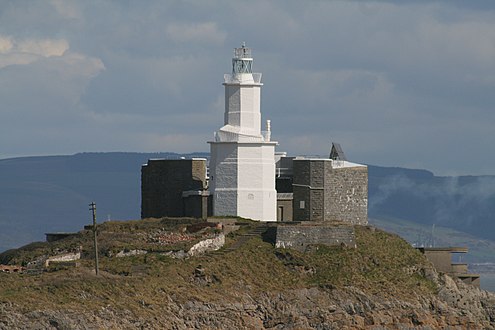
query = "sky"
{"x": 396, "y": 83}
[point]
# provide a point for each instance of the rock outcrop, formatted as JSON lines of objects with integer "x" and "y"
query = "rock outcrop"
{"x": 456, "y": 306}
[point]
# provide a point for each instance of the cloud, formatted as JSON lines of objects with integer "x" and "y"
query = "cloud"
{"x": 48, "y": 80}
{"x": 406, "y": 83}
{"x": 42, "y": 84}
{"x": 67, "y": 8}
{"x": 13, "y": 51}
{"x": 5, "y": 44}
{"x": 153, "y": 85}
{"x": 207, "y": 32}
{"x": 456, "y": 201}
{"x": 43, "y": 47}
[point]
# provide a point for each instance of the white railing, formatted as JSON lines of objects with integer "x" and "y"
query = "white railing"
{"x": 225, "y": 136}
{"x": 242, "y": 78}
{"x": 242, "y": 52}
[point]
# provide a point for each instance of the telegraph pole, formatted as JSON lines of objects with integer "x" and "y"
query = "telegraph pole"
{"x": 93, "y": 209}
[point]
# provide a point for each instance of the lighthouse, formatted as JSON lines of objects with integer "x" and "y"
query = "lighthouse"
{"x": 242, "y": 164}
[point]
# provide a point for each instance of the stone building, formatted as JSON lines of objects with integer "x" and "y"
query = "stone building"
{"x": 330, "y": 190}
{"x": 441, "y": 258}
{"x": 247, "y": 178}
{"x": 174, "y": 188}
{"x": 308, "y": 189}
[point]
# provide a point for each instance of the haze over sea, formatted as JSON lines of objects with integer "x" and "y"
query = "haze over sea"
{"x": 488, "y": 281}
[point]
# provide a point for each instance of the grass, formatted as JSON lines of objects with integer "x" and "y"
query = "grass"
{"x": 383, "y": 264}
{"x": 113, "y": 236}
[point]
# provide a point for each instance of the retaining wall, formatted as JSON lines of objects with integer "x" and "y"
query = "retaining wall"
{"x": 299, "y": 237}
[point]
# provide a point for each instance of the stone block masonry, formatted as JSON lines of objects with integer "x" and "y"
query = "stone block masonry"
{"x": 346, "y": 195}
{"x": 163, "y": 182}
{"x": 299, "y": 237}
{"x": 328, "y": 190}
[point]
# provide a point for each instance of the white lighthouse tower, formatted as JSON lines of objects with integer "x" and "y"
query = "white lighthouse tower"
{"x": 242, "y": 164}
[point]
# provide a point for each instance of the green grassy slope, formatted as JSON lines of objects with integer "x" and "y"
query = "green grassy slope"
{"x": 383, "y": 264}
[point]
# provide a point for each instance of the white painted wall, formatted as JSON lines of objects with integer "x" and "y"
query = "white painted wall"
{"x": 242, "y": 107}
{"x": 223, "y": 178}
{"x": 242, "y": 180}
{"x": 242, "y": 164}
{"x": 257, "y": 198}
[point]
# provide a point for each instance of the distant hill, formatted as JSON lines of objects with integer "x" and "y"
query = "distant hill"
{"x": 464, "y": 203}
{"x": 480, "y": 250}
{"x": 46, "y": 194}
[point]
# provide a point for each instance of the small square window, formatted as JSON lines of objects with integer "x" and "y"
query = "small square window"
{"x": 302, "y": 204}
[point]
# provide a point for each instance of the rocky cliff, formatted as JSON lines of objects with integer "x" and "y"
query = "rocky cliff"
{"x": 456, "y": 307}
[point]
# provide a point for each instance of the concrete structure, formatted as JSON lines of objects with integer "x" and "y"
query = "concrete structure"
{"x": 441, "y": 258}
{"x": 11, "y": 269}
{"x": 174, "y": 188}
{"x": 330, "y": 190}
{"x": 284, "y": 173}
{"x": 197, "y": 203}
{"x": 52, "y": 237}
{"x": 337, "y": 153}
{"x": 300, "y": 236}
{"x": 284, "y": 206}
{"x": 242, "y": 164}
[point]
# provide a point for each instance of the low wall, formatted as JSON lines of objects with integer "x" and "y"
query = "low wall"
{"x": 63, "y": 258}
{"x": 298, "y": 237}
{"x": 211, "y": 244}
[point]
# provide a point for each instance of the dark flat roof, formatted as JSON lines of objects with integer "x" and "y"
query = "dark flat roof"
{"x": 452, "y": 249}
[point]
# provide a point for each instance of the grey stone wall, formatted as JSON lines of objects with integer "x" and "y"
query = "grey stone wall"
{"x": 197, "y": 205}
{"x": 309, "y": 189}
{"x": 299, "y": 237}
{"x": 324, "y": 193}
{"x": 346, "y": 195}
{"x": 162, "y": 184}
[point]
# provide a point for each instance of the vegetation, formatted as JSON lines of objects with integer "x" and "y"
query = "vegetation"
{"x": 153, "y": 235}
{"x": 382, "y": 264}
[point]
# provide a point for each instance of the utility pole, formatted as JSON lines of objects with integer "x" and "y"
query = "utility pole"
{"x": 93, "y": 209}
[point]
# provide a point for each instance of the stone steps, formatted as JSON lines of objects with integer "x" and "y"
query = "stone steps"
{"x": 241, "y": 240}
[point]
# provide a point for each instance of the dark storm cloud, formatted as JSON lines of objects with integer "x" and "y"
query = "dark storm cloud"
{"x": 406, "y": 83}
